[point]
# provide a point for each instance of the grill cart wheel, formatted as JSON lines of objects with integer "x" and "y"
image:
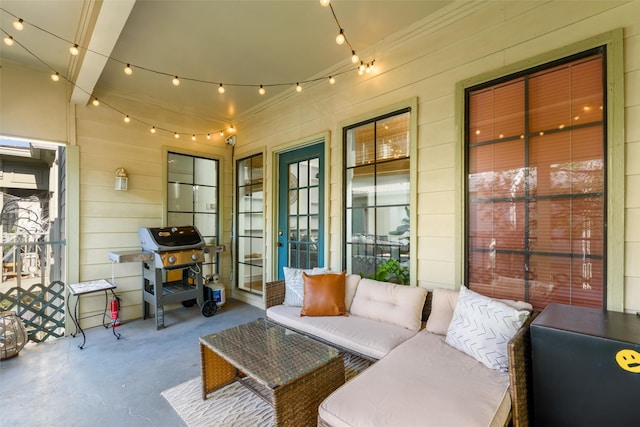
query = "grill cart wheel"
{"x": 209, "y": 308}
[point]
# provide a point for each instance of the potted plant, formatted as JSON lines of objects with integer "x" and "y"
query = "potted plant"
{"x": 392, "y": 271}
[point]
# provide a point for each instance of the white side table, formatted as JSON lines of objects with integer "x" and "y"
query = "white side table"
{"x": 83, "y": 288}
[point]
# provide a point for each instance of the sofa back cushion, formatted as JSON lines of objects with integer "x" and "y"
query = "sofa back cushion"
{"x": 387, "y": 302}
{"x": 323, "y": 295}
{"x": 443, "y": 302}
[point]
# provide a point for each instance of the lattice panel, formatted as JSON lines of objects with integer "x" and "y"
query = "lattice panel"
{"x": 40, "y": 307}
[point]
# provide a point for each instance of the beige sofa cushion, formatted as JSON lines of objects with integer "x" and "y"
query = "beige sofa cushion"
{"x": 357, "y": 334}
{"x": 443, "y": 302}
{"x": 422, "y": 382}
{"x": 387, "y": 302}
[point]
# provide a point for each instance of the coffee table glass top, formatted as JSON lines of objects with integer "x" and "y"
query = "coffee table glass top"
{"x": 270, "y": 353}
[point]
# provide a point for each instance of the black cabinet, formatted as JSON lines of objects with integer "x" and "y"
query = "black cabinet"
{"x": 586, "y": 367}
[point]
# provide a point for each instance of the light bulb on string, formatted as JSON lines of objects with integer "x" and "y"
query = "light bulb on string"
{"x": 332, "y": 80}
{"x": 298, "y": 87}
{"x": 127, "y": 119}
{"x": 55, "y": 76}
{"x": 208, "y": 136}
{"x": 362, "y": 66}
{"x": 325, "y": 3}
{"x": 340, "y": 37}
{"x": 221, "y": 133}
{"x": 95, "y": 102}
{"x": 193, "y": 137}
{"x": 176, "y": 81}
{"x": 262, "y": 90}
{"x": 354, "y": 57}
{"x": 153, "y": 129}
{"x": 176, "y": 135}
{"x": 231, "y": 129}
{"x": 18, "y": 25}
{"x": 127, "y": 70}
{"x": 221, "y": 88}
{"x": 8, "y": 41}
{"x": 74, "y": 50}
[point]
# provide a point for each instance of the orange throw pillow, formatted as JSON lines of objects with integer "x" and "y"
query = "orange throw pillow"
{"x": 323, "y": 295}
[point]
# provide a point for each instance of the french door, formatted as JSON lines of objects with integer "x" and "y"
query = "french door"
{"x": 300, "y": 212}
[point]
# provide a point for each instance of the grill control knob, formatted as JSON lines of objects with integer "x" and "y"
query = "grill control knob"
{"x": 194, "y": 256}
{"x": 172, "y": 259}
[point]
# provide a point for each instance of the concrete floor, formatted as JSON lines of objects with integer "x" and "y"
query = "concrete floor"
{"x": 115, "y": 383}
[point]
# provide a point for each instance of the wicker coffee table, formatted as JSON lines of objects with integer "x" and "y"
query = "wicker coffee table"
{"x": 292, "y": 372}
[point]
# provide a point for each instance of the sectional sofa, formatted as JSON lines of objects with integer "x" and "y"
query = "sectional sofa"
{"x": 434, "y": 365}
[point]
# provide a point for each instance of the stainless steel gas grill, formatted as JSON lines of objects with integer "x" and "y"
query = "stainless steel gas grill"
{"x": 173, "y": 274}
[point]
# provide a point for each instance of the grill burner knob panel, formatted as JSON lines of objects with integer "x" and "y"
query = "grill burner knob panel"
{"x": 172, "y": 259}
{"x": 195, "y": 257}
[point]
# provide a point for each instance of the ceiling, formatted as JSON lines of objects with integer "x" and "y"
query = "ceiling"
{"x": 240, "y": 43}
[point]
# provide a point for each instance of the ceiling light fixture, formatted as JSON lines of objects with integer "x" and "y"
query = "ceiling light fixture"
{"x": 208, "y": 136}
{"x": 74, "y": 50}
{"x": 193, "y": 137}
{"x": 262, "y": 90}
{"x": 153, "y": 129}
{"x": 340, "y": 37}
{"x": 176, "y": 81}
{"x": 221, "y": 88}
{"x": 8, "y": 41}
{"x": 95, "y": 102}
{"x": 332, "y": 80}
{"x": 55, "y": 76}
{"x": 127, "y": 70}
{"x": 298, "y": 87}
{"x": 127, "y": 119}
{"x": 176, "y": 135}
{"x": 18, "y": 25}
{"x": 231, "y": 129}
{"x": 354, "y": 57}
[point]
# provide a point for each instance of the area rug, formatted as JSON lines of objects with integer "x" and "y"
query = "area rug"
{"x": 233, "y": 405}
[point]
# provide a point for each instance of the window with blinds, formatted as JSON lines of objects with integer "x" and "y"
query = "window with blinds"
{"x": 535, "y": 209}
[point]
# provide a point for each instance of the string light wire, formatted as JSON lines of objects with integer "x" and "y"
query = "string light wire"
{"x": 128, "y": 66}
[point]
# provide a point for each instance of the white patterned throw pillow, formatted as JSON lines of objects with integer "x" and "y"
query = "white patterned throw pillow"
{"x": 294, "y": 284}
{"x": 481, "y": 327}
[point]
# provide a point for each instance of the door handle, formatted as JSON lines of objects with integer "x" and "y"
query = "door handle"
{"x": 279, "y": 244}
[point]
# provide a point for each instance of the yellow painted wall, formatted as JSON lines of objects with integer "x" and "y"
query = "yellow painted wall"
{"x": 425, "y": 62}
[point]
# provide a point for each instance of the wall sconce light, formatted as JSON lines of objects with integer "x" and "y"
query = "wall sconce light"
{"x": 122, "y": 181}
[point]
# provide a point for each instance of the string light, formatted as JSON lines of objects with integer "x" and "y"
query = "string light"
{"x": 75, "y": 48}
{"x": 193, "y": 137}
{"x": 354, "y": 57}
{"x": 221, "y": 88}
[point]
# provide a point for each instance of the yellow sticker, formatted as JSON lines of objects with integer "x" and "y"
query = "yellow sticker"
{"x": 629, "y": 360}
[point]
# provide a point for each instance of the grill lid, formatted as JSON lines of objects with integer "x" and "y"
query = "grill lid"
{"x": 159, "y": 239}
